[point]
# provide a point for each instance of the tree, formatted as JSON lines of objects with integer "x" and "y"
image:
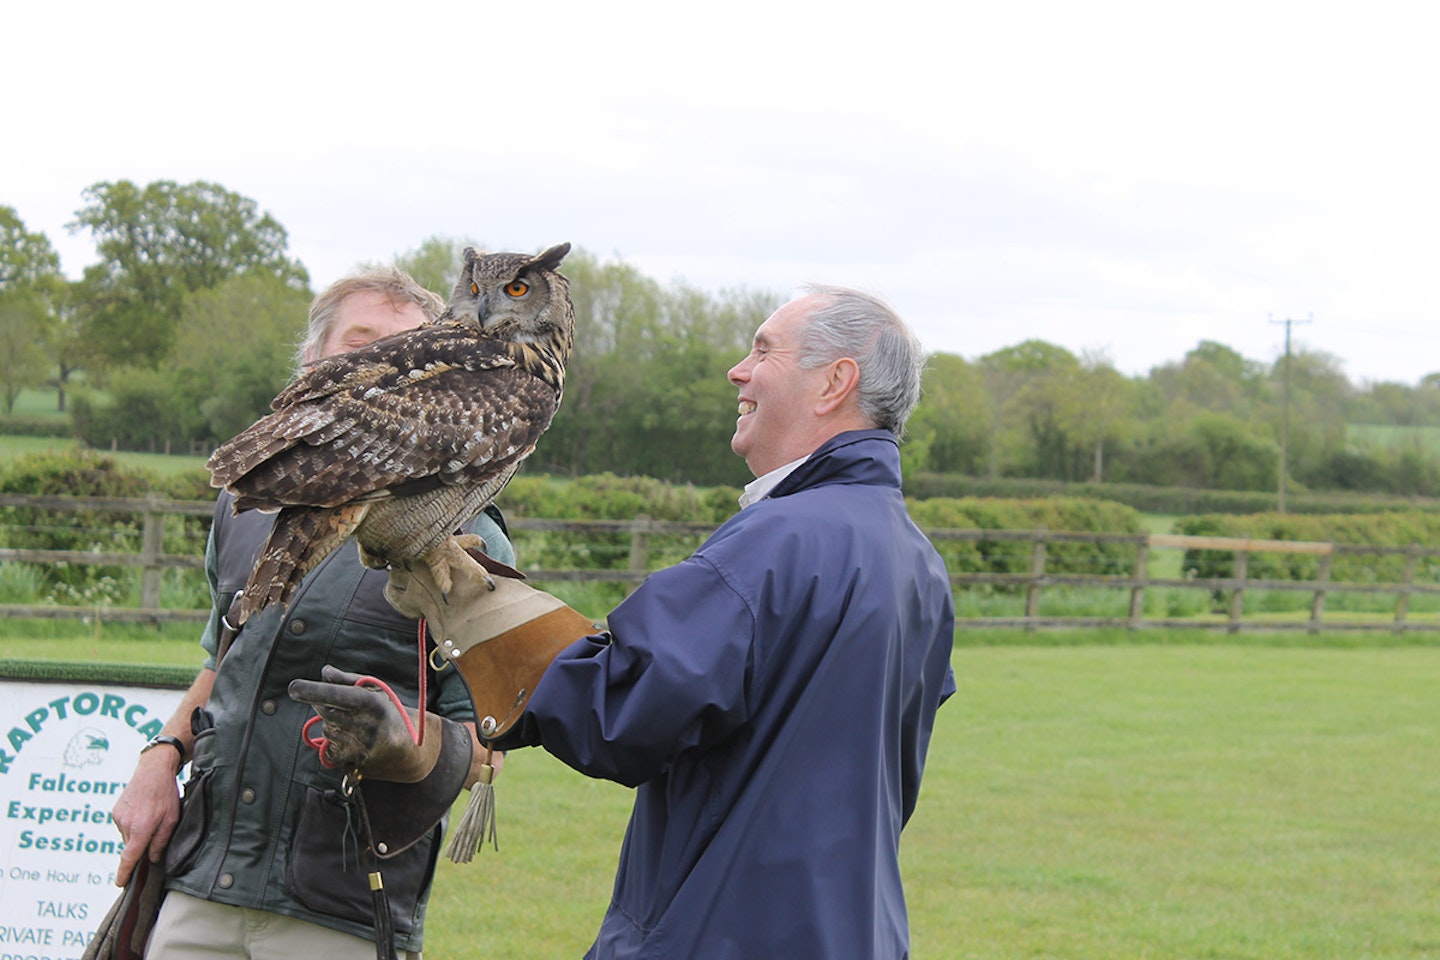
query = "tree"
{"x": 1320, "y": 394}
{"x": 159, "y": 243}
{"x": 1034, "y": 378}
{"x": 25, "y": 257}
{"x": 24, "y": 324}
{"x": 1237, "y": 458}
{"x": 952, "y": 421}
{"x": 233, "y": 352}
{"x": 1100, "y": 400}
{"x": 239, "y": 339}
{"x": 1003, "y": 380}
{"x": 1213, "y": 377}
{"x": 67, "y": 340}
{"x": 30, "y": 289}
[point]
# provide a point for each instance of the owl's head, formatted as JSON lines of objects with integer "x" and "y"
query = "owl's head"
{"x": 514, "y": 296}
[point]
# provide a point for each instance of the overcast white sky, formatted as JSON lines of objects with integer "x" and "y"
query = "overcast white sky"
{"x": 1128, "y": 178}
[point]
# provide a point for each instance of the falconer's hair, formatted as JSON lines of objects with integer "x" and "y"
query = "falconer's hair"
{"x": 861, "y": 326}
{"x": 391, "y": 282}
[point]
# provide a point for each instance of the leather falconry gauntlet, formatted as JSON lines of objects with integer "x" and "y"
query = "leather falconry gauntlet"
{"x": 498, "y": 631}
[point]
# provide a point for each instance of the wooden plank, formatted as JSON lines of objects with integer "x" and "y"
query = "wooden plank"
{"x": 1237, "y": 595}
{"x": 1402, "y": 601}
{"x": 191, "y": 508}
{"x": 1317, "y": 602}
{"x": 1037, "y": 575}
{"x": 1137, "y": 591}
{"x": 184, "y": 560}
{"x": 103, "y": 614}
{"x": 1239, "y": 543}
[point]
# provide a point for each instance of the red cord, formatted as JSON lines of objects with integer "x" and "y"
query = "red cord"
{"x": 421, "y": 674}
{"x": 319, "y": 744}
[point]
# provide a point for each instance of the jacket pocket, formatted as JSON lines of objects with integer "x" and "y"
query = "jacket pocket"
{"x": 194, "y": 824}
{"x": 325, "y": 872}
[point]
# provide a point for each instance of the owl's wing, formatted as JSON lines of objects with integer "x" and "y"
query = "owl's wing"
{"x": 443, "y": 409}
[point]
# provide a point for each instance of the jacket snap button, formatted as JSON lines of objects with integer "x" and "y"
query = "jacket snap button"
{"x": 226, "y": 881}
{"x": 297, "y": 627}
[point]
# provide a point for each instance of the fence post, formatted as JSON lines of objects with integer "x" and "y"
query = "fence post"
{"x": 1317, "y": 602}
{"x": 152, "y": 539}
{"x": 1237, "y": 594}
{"x": 1037, "y": 571}
{"x": 1138, "y": 580}
{"x": 1402, "y": 603}
{"x": 639, "y": 550}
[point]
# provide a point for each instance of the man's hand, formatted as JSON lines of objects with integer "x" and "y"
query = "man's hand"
{"x": 148, "y": 810}
{"x": 365, "y": 730}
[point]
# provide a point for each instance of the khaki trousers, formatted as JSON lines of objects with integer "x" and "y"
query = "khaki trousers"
{"x": 193, "y": 929}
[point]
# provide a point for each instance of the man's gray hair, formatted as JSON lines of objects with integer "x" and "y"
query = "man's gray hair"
{"x": 850, "y": 323}
{"x": 392, "y": 282}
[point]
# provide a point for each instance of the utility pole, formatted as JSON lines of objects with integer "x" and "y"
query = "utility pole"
{"x": 1285, "y": 416}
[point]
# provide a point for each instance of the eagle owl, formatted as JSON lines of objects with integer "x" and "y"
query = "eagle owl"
{"x": 405, "y": 440}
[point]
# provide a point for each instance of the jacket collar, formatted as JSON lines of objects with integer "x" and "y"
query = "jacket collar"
{"x": 856, "y": 456}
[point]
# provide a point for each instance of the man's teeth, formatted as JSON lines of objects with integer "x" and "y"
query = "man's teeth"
{"x": 745, "y": 407}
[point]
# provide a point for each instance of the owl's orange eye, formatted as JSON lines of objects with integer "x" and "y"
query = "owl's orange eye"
{"x": 517, "y": 288}
{"x": 474, "y": 289}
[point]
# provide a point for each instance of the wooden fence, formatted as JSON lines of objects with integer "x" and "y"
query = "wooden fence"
{"x": 1033, "y": 582}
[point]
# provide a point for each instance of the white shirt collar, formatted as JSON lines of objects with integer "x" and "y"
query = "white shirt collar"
{"x": 759, "y": 488}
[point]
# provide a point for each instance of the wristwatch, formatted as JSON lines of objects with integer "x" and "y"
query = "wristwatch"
{"x": 165, "y": 738}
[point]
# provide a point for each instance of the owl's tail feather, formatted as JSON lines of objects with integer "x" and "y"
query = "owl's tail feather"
{"x": 300, "y": 539}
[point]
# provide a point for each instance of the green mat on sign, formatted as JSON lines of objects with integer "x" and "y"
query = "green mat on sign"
{"x": 132, "y": 674}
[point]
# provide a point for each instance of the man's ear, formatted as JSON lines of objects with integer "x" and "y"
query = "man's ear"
{"x": 842, "y": 379}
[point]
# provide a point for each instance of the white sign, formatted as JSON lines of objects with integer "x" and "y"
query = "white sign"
{"x": 66, "y": 752}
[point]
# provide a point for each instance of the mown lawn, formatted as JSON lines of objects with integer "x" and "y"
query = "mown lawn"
{"x": 1166, "y": 800}
{"x": 1087, "y": 802}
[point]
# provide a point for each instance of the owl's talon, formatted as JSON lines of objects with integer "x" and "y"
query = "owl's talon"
{"x": 471, "y": 541}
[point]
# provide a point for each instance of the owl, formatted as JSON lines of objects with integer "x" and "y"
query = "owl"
{"x": 402, "y": 442}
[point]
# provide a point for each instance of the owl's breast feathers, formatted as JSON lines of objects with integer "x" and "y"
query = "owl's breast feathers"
{"x": 437, "y": 405}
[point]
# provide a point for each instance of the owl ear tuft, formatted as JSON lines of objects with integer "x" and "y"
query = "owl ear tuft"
{"x": 471, "y": 255}
{"x": 550, "y": 259}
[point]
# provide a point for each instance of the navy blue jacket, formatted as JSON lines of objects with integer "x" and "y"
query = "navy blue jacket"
{"x": 772, "y": 697}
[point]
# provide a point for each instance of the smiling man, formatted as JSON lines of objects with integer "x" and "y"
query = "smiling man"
{"x": 799, "y": 387}
{"x": 772, "y": 697}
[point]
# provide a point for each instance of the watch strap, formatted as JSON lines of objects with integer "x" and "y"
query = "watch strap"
{"x": 165, "y": 738}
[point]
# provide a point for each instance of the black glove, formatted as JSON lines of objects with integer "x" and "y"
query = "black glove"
{"x": 365, "y": 731}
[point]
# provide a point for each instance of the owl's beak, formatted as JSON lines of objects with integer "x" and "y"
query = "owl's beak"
{"x": 482, "y": 311}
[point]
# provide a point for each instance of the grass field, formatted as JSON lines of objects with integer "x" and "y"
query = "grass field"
{"x": 1385, "y": 436}
{"x": 39, "y": 404}
{"x": 1161, "y": 802}
{"x": 1167, "y": 800}
{"x": 159, "y": 463}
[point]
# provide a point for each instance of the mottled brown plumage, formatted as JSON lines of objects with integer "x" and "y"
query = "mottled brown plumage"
{"x": 404, "y": 441}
